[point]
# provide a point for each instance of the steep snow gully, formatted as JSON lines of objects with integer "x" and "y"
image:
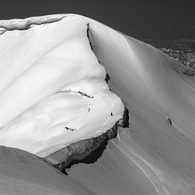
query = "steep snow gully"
{"x": 88, "y": 110}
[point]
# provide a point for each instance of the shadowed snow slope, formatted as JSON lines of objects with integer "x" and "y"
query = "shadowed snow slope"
{"x": 44, "y": 70}
{"x": 23, "y": 173}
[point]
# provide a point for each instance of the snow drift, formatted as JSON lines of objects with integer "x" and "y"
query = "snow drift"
{"x": 53, "y": 93}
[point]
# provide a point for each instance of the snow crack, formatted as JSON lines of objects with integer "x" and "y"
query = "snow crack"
{"x": 79, "y": 92}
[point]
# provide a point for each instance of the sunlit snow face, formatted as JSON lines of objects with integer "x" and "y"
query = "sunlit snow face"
{"x": 53, "y": 90}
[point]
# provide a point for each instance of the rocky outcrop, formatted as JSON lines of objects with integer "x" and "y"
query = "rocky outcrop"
{"x": 85, "y": 151}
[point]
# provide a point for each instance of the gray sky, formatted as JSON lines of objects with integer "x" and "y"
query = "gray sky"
{"x": 137, "y": 18}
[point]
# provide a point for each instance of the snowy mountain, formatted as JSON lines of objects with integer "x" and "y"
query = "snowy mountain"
{"x": 68, "y": 85}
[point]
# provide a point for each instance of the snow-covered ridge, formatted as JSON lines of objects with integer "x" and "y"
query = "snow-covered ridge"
{"x": 53, "y": 94}
{"x": 53, "y": 90}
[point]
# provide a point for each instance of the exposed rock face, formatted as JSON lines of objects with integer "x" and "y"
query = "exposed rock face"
{"x": 85, "y": 151}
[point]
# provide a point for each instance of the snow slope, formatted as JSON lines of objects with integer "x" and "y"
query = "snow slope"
{"x": 160, "y": 100}
{"x": 53, "y": 90}
{"x": 23, "y": 173}
{"x": 155, "y": 155}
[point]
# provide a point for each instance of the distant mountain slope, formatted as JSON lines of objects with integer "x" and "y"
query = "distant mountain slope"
{"x": 182, "y": 50}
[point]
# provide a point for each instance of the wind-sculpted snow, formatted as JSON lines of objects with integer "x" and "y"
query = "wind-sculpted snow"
{"x": 53, "y": 90}
{"x": 54, "y": 95}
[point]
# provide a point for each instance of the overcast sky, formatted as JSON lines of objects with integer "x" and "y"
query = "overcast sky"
{"x": 137, "y": 18}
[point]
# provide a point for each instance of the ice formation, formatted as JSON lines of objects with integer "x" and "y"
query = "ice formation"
{"x": 53, "y": 93}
